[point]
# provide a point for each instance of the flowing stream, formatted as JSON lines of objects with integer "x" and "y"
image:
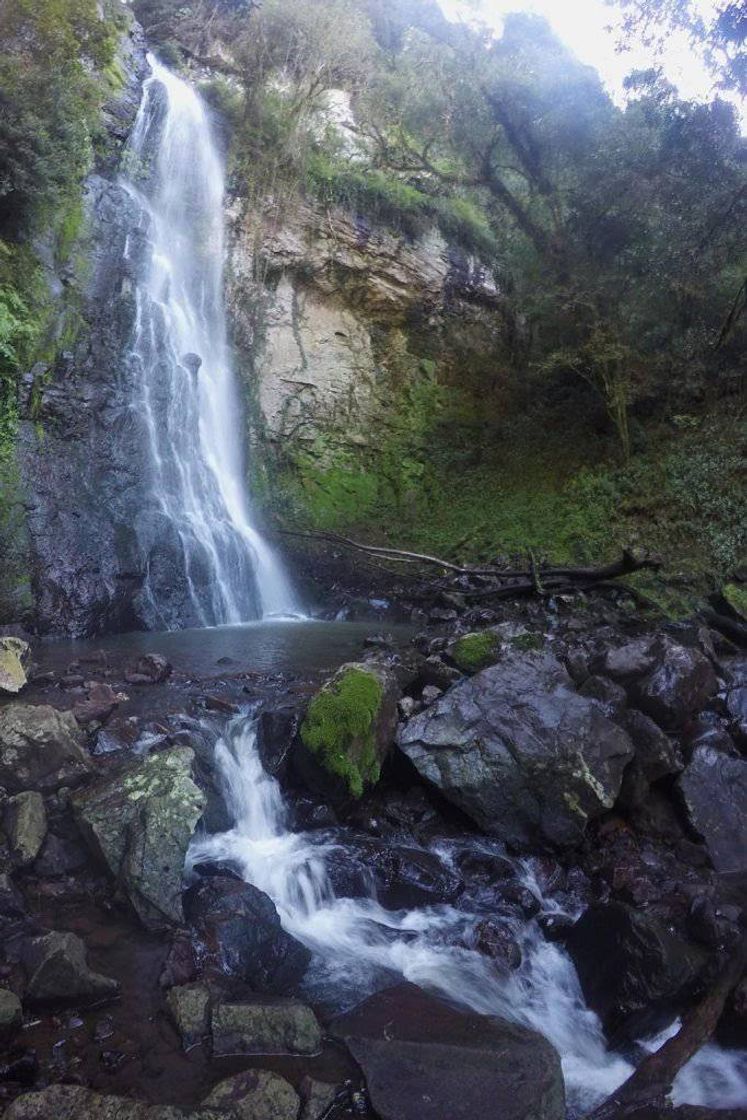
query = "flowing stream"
{"x": 359, "y": 946}
{"x": 206, "y": 563}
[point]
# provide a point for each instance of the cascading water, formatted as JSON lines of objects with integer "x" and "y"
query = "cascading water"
{"x": 360, "y": 947}
{"x": 205, "y": 562}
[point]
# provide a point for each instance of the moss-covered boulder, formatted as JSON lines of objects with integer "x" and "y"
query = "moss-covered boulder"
{"x": 735, "y": 595}
{"x": 40, "y": 748}
{"x": 349, "y": 728}
{"x": 140, "y": 822}
{"x": 476, "y": 651}
{"x": 13, "y": 658}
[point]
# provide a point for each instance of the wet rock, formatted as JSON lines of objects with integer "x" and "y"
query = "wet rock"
{"x": 276, "y": 732}
{"x": 25, "y": 824}
{"x": 14, "y": 654}
{"x": 59, "y": 856}
{"x": 241, "y": 935}
{"x": 348, "y": 730}
{"x": 255, "y": 1094}
{"x": 435, "y": 672}
{"x": 497, "y": 942}
{"x": 40, "y": 748}
{"x": 265, "y": 1026}
{"x": 656, "y": 756}
{"x": 151, "y": 668}
{"x": 317, "y": 1096}
{"x": 634, "y": 972}
{"x": 189, "y": 1007}
{"x": 555, "y": 927}
{"x": 713, "y": 791}
{"x": 681, "y": 683}
{"x": 12, "y": 906}
{"x": 98, "y": 705}
{"x": 11, "y": 1015}
{"x": 611, "y": 697}
{"x": 400, "y": 877}
{"x": 628, "y": 662}
{"x": 58, "y": 971}
{"x": 413, "y": 1050}
{"x": 430, "y": 694}
{"x": 73, "y": 1102}
{"x": 518, "y": 750}
{"x": 140, "y": 822}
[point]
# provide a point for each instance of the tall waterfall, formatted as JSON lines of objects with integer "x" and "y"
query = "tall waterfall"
{"x": 205, "y": 562}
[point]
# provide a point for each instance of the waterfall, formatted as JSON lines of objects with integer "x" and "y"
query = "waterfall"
{"x": 205, "y": 563}
{"x": 358, "y": 946}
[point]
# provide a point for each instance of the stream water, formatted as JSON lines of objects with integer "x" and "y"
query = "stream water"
{"x": 207, "y": 563}
{"x": 359, "y": 947}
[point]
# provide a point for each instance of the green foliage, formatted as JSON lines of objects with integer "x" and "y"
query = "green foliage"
{"x": 339, "y": 728}
{"x": 475, "y": 651}
{"x": 736, "y": 596}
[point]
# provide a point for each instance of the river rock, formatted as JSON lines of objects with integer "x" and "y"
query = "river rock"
{"x": 11, "y": 1015}
{"x": 348, "y": 730}
{"x": 73, "y": 1102}
{"x": 398, "y": 876}
{"x": 424, "y": 1059}
{"x": 680, "y": 684}
{"x": 12, "y": 905}
{"x": 634, "y": 971}
{"x": 40, "y": 748}
{"x": 713, "y": 791}
{"x": 265, "y": 1026}
{"x": 240, "y": 934}
{"x": 496, "y": 941}
{"x": 518, "y": 750}
{"x": 25, "y": 824}
{"x": 255, "y": 1094}
{"x": 151, "y": 668}
{"x": 14, "y": 654}
{"x": 140, "y": 822}
{"x": 189, "y": 1006}
{"x": 98, "y": 705}
{"x": 58, "y": 971}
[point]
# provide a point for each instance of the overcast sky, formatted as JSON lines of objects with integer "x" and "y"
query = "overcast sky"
{"x": 584, "y": 26}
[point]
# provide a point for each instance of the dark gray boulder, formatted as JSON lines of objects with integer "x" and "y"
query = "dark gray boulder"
{"x": 58, "y": 972}
{"x": 239, "y": 934}
{"x": 425, "y": 1060}
{"x": 635, "y": 973}
{"x": 713, "y": 792}
{"x": 516, "y": 748}
{"x": 680, "y": 684}
{"x": 399, "y": 876}
{"x": 40, "y": 748}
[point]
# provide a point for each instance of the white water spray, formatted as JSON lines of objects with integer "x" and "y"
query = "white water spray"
{"x": 359, "y": 946}
{"x": 202, "y": 540}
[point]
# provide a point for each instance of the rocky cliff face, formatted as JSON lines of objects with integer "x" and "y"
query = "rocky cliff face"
{"x": 79, "y": 436}
{"x": 339, "y": 324}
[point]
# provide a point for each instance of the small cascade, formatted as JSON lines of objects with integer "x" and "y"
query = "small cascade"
{"x": 359, "y": 947}
{"x": 206, "y": 563}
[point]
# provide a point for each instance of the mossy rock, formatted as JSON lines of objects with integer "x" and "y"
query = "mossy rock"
{"x": 475, "y": 651}
{"x": 350, "y": 725}
{"x": 735, "y": 595}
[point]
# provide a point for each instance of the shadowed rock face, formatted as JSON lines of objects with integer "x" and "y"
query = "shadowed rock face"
{"x": 521, "y": 752}
{"x": 422, "y": 1058}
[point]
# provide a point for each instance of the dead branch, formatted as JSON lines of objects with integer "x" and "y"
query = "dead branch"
{"x": 653, "y": 1079}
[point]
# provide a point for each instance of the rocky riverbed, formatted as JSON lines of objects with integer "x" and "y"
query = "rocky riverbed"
{"x": 561, "y": 777}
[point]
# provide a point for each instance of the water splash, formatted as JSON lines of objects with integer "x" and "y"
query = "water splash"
{"x": 206, "y": 563}
{"x": 359, "y": 946}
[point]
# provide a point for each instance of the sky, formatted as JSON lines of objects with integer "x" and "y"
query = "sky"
{"x": 583, "y": 25}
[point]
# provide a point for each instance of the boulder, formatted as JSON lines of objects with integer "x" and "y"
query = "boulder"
{"x": 25, "y": 824}
{"x": 276, "y": 733}
{"x": 265, "y": 1026}
{"x": 40, "y": 748}
{"x": 635, "y": 973}
{"x": 495, "y": 940}
{"x": 11, "y": 1015}
{"x": 517, "y": 749}
{"x": 98, "y": 704}
{"x": 349, "y": 729}
{"x": 424, "y": 1059}
{"x": 12, "y": 905}
{"x": 72, "y": 1102}
{"x": 140, "y": 822}
{"x": 151, "y": 668}
{"x": 681, "y": 682}
{"x": 189, "y": 1007}
{"x": 656, "y": 756}
{"x": 317, "y": 1096}
{"x": 240, "y": 934}
{"x": 400, "y": 877}
{"x": 713, "y": 792}
{"x": 475, "y": 651}
{"x": 628, "y": 662}
{"x": 255, "y": 1094}
{"x": 14, "y": 654}
{"x": 58, "y": 971}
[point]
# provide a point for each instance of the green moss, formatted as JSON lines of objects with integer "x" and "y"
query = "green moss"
{"x": 475, "y": 651}
{"x": 736, "y": 596}
{"x": 527, "y": 642}
{"x": 339, "y": 728}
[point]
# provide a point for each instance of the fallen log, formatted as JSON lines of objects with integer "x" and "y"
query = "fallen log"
{"x": 649, "y": 1086}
